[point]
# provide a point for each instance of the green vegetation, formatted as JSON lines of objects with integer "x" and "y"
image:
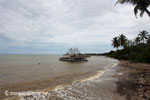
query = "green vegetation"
{"x": 140, "y": 5}
{"x": 136, "y": 50}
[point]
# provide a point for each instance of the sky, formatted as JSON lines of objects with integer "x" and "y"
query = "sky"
{"x": 54, "y": 26}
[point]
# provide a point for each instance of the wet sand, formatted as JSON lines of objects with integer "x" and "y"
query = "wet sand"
{"x": 134, "y": 82}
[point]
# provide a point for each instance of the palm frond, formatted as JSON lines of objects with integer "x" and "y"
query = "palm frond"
{"x": 136, "y": 11}
{"x": 142, "y": 12}
{"x": 140, "y": 5}
{"x": 119, "y": 1}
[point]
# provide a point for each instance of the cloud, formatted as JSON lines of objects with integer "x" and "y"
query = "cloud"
{"x": 66, "y": 23}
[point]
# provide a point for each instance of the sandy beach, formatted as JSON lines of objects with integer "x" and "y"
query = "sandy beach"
{"x": 134, "y": 84}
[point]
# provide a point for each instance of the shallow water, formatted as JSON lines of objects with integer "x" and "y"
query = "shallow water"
{"x": 90, "y": 80}
{"x": 20, "y": 68}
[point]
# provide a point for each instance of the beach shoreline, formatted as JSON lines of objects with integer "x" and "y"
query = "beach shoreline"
{"x": 39, "y": 85}
{"x": 123, "y": 83}
{"x": 87, "y": 78}
{"x": 134, "y": 84}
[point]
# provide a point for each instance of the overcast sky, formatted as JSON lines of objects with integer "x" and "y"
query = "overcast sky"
{"x": 53, "y": 26}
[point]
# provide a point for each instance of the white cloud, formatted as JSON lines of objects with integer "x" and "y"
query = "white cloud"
{"x": 72, "y": 22}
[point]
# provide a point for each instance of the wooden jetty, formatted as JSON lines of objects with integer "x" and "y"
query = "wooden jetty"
{"x": 73, "y": 55}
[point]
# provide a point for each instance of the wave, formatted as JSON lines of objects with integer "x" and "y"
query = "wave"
{"x": 56, "y": 89}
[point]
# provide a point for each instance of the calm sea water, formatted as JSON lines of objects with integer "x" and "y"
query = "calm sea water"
{"x": 19, "y": 68}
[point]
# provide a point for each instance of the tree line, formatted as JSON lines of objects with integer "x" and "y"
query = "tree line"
{"x": 136, "y": 50}
{"x": 122, "y": 41}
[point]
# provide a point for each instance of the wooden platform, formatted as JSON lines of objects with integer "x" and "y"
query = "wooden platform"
{"x": 73, "y": 59}
{"x": 74, "y": 55}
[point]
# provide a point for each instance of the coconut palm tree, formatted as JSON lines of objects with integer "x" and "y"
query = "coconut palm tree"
{"x": 140, "y": 5}
{"x": 137, "y": 40}
{"x": 123, "y": 40}
{"x": 143, "y": 35}
{"x": 148, "y": 40}
{"x": 115, "y": 42}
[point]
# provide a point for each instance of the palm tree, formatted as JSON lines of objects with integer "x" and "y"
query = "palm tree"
{"x": 137, "y": 40}
{"x": 115, "y": 42}
{"x": 143, "y": 35}
{"x": 123, "y": 40}
{"x": 148, "y": 40}
{"x": 140, "y": 5}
